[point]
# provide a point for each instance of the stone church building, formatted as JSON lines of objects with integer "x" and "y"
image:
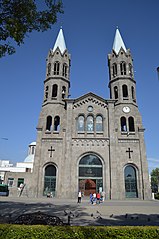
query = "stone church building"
{"x": 90, "y": 143}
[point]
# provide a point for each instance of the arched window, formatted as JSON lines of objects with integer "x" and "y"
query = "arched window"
{"x": 99, "y": 123}
{"x": 133, "y": 92}
{"x": 48, "y": 123}
{"x": 90, "y": 123}
{"x": 130, "y": 182}
{"x": 116, "y": 92}
{"x": 32, "y": 150}
{"x": 50, "y": 180}
{"x": 63, "y": 92}
{"x": 49, "y": 69}
{"x": 54, "y": 90}
{"x": 46, "y": 92}
{"x": 114, "y": 66}
{"x": 123, "y": 124}
{"x": 130, "y": 70}
{"x": 125, "y": 90}
{"x": 123, "y": 68}
{"x": 80, "y": 123}
{"x": 57, "y": 123}
{"x": 90, "y": 174}
{"x": 64, "y": 70}
{"x": 131, "y": 124}
{"x": 56, "y": 68}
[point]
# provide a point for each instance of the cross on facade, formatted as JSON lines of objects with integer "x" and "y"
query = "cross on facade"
{"x": 51, "y": 150}
{"x": 129, "y": 151}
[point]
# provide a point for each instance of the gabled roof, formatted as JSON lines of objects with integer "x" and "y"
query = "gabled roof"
{"x": 89, "y": 98}
{"x": 118, "y": 42}
{"x": 60, "y": 42}
{"x": 89, "y": 95}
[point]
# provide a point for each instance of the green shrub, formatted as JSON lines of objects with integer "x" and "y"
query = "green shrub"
{"x": 157, "y": 196}
{"x": 72, "y": 232}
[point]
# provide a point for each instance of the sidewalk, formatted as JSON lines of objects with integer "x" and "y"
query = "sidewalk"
{"x": 110, "y": 213}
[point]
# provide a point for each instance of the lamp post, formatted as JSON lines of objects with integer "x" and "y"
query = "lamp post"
{"x": 158, "y": 72}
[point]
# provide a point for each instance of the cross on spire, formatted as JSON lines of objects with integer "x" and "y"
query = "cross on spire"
{"x": 129, "y": 151}
{"x": 51, "y": 150}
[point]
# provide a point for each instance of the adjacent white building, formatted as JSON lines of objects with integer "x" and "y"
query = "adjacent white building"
{"x": 25, "y": 166}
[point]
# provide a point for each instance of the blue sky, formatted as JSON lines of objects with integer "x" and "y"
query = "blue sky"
{"x": 89, "y": 28}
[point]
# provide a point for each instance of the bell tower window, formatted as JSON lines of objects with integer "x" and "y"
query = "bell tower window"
{"x": 114, "y": 66}
{"x": 123, "y": 124}
{"x": 54, "y": 90}
{"x": 57, "y": 123}
{"x": 125, "y": 91}
{"x": 130, "y": 70}
{"x": 64, "y": 70}
{"x": 63, "y": 92}
{"x": 116, "y": 92}
{"x": 131, "y": 124}
{"x": 46, "y": 92}
{"x": 123, "y": 68}
{"x": 56, "y": 68}
{"x": 49, "y": 69}
{"x": 133, "y": 93}
{"x": 48, "y": 123}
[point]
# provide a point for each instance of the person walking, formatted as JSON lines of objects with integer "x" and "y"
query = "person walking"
{"x": 98, "y": 198}
{"x": 91, "y": 198}
{"x": 94, "y": 198}
{"x": 79, "y": 196}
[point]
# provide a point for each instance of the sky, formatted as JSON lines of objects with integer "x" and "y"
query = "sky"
{"x": 89, "y": 29}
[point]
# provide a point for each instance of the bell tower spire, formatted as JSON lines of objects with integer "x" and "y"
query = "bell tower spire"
{"x": 60, "y": 42}
{"x": 57, "y": 80}
{"x": 121, "y": 75}
{"x": 118, "y": 42}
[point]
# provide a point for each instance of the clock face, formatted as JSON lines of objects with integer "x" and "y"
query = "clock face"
{"x": 126, "y": 109}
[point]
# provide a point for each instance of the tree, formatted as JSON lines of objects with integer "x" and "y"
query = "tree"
{"x": 155, "y": 180}
{"x": 20, "y": 17}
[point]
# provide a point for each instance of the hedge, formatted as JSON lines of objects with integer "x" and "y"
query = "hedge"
{"x": 9, "y": 231}
{"x": 157, "y": 196}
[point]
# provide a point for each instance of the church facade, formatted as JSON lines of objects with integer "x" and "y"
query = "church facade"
{"x": 90, "y": 143}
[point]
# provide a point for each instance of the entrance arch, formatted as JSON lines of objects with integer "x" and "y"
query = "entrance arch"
{"x": 90, "y": 174}
{"x": 50, "y": 180}
{"x": 130, "y": 182}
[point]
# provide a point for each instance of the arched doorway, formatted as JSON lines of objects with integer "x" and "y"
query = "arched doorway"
{"x": 50, "y": 180}
{"x": 90, "y": 174}
{"x": 130, "y": 182}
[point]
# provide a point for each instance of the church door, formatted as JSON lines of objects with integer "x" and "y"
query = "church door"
{"x": 130, "y": 182}
{"x": 90, "y": 174}
{"x": 50, "y": 180}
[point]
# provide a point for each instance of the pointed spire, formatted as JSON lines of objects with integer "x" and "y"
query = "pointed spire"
{"x": 118, "y": 42}
{"x": 60, "y": 42}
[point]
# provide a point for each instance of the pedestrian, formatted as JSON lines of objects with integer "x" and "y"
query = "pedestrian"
{"x": 103, "y": 196}
{"x": 94, "y": 198}
{"x": 91, "y": 198}
{"x": 98, "y": 198}
{"x": 79, "y": 196}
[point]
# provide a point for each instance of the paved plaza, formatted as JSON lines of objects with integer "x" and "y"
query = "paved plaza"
{"x": 109, "y": 213}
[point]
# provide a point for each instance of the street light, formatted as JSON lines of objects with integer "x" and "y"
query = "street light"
{"x": 158, "y": 72}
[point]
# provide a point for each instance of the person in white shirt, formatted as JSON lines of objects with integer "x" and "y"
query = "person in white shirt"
{"x": 79, "y": 196}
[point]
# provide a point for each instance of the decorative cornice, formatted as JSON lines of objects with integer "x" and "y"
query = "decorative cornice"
{"x": 57, "y": 140}
{"x": 90, "y": 142}
{"x": 128, "y": 140}
{"x": 90, "y": 99}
